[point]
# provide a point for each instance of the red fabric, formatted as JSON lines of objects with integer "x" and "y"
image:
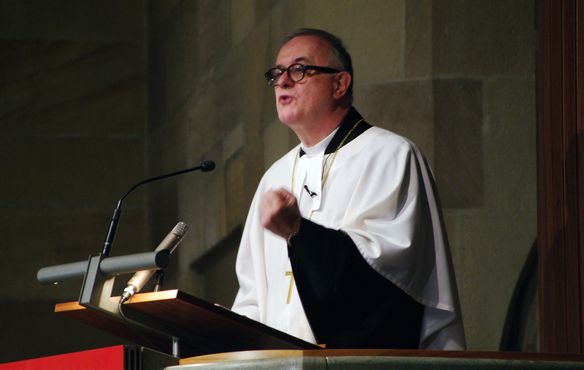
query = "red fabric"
{"x": 109, "y": 358}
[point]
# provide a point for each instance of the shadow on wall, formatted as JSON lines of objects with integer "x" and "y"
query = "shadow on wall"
{"x": 216, "y": 270}
{"x": 521, "y": 331}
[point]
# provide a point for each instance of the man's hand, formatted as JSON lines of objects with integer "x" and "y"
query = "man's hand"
{"x": 279, "y": 213}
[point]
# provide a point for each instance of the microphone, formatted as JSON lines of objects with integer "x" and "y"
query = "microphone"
{"x": 205, "y": 166}
{"x": 311, "y": 193}
{"x": 140, "y": 278}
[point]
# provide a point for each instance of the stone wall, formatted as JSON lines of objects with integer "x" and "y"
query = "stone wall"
{"x": 457, "y": 77}
{"x": 72, "y": 119}
{"x": 95, "y": 96}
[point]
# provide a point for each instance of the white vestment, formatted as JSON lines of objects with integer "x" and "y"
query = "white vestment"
{"x": 379, "y": 191}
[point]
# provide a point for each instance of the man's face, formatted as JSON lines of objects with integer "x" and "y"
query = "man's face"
{"x": 304, "y": 102}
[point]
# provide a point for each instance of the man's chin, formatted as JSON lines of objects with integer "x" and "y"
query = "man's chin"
{"x": 287, "y": 119}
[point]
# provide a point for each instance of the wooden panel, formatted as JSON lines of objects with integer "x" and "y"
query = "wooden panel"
{"x": 278, "y": 354}
{"x": 580, "y": 138}
{"x": 549, "y": 184}
{"x": 560, "y": 198}
{"x": 115, "y": 327}
{"x": 211, "y": 326}
{"x": 202, "y": 327}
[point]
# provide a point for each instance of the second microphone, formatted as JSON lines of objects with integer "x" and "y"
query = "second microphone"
{"x": 140, "y": 278}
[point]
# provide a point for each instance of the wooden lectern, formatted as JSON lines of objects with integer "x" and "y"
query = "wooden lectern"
{"x": 201, "y": 327}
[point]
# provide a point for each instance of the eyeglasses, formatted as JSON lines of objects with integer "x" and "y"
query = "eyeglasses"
{"x": 296, "y": 72}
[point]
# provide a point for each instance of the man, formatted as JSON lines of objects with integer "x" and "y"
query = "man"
{"x": 344, "y": 244}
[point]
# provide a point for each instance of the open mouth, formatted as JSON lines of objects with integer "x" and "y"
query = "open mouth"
{"x": 284, "y": 99}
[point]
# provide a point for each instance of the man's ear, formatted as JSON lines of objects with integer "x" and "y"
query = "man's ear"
{"x": 342, "y": 83}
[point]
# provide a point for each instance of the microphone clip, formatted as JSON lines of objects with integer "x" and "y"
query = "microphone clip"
{"x": 311, "y": 193}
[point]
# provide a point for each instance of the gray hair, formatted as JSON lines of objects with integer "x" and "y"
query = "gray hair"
{"x": 340, "y": 53}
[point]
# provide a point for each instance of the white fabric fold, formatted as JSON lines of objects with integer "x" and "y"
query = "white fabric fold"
{"x": 380, "y": 191}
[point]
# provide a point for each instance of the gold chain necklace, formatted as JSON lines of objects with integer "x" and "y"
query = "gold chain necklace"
{"x": 327, "y": 169}
{"x": 326, "y": 172}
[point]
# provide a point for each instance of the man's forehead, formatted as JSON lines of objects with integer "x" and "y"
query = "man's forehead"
{"x": 308, "y": 49}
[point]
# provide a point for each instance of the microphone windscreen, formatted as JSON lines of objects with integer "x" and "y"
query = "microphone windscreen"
{"x": 207, "y": 166}
{"x": 180, "y": 229}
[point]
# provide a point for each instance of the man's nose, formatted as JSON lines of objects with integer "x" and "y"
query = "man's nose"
{"x": 285, "y": 82}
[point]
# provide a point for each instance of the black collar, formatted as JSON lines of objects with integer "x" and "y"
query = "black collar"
{"x": 345, "y": 126}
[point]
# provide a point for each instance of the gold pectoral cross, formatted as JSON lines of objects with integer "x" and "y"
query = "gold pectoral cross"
{"x": 289, "y": 273}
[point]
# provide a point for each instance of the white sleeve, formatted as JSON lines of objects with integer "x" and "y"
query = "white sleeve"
{"x": 250, "y": 267}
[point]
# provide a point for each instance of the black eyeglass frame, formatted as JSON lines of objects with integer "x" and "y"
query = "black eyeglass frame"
{"x": 273, "y": 80}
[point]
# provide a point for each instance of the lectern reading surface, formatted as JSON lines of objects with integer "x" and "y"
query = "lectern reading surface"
{"x": 200, "y": 326}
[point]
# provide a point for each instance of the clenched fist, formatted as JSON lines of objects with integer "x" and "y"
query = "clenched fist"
{"x": 279, "y": 213}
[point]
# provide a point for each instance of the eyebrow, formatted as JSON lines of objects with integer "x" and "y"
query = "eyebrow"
{"x": 297, "y": 60}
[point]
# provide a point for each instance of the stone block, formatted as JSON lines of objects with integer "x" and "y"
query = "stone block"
{"x": 284, "y": 17}
{"x": 458, "y": 142}
{"x": 192, "y": 201}
{"x": 214, "y": 210}
{"x": 237, "y": 200}
{"x": 233, "y": 141}
{"x": 371, "y": 30}
{"x": 114, "y": 111}
{"x": 33, "y": 322}
{"x": 174, "y": 60}
{"x": 215, "y": 270}
{"x": 249, "y": 62}
{"x": 404, "y": 107}
{"x": 243, "y": 18}
{"x": 24, "y": 58}
{"x": 159, "y": 13}
{"x": 213, "y": 35}
{"x": 493, "y": 248}
{"x": 262, "y": 8}
{"x": 510, "y": 141}
{"x": 72, "y": 103}
{"x": 205, "y": 96}
{"x": 170, "y": 145}
{"x": 419, "y": 38}
{"x": 453, "y": 230}
{"x": 108, "y": 20}
{"x": 57, "y": 171}
{"x": 204, "y": 122}
{"x": 473, "y": 38}
{"x": 277, "y": 142}
{"x": 196, "y": 199}
{"x": 109, "y": 65}
{"x": 46, "y": 236}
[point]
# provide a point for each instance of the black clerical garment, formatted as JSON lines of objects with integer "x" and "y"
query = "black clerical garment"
{"x": 370, "y": 266}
